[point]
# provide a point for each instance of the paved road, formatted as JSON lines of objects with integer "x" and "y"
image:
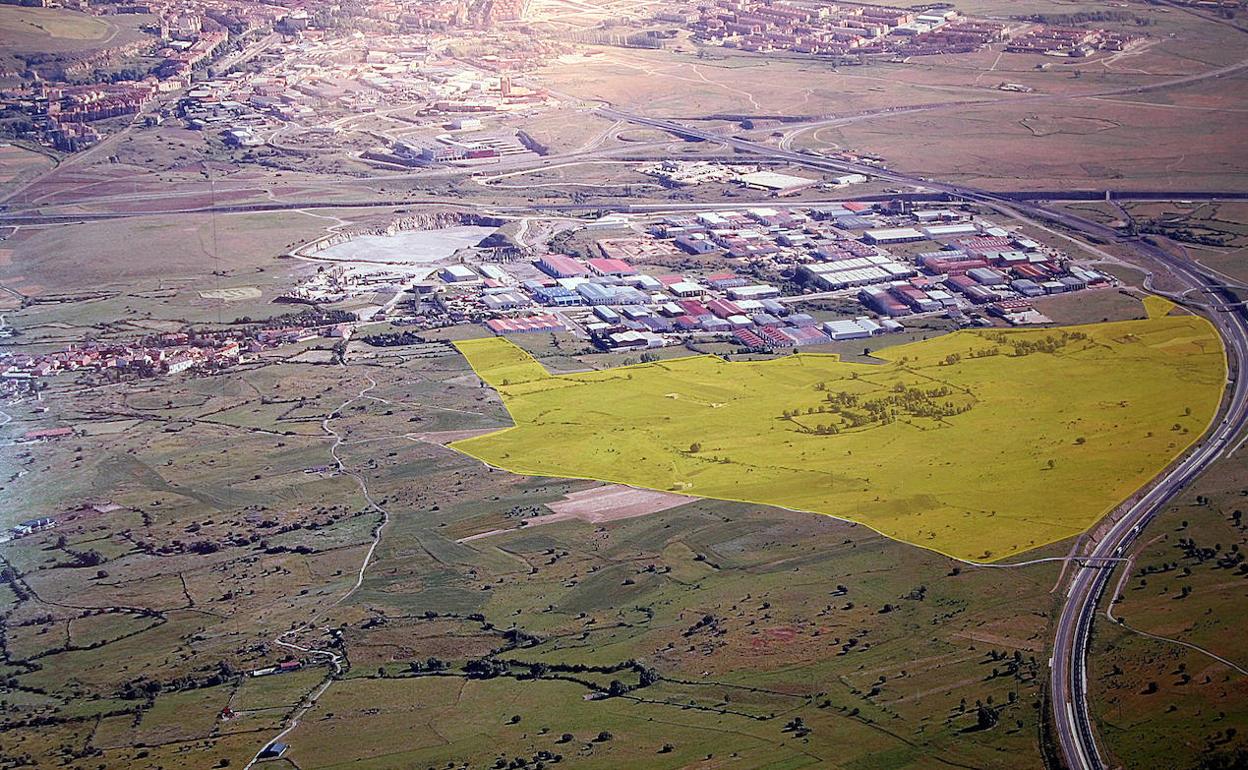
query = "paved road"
{"x": 28, "y": 218}
{"x": 1068, "y": 667}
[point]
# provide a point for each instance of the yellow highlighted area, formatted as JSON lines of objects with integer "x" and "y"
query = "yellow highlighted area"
{"x": 980, "y": 444}
{"x": 1157, "y": 307}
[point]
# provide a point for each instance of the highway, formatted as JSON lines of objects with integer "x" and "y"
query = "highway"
{"x": 1068, "y": 665}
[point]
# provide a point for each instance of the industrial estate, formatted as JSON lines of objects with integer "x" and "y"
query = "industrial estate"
{"x": 618, "y": 384}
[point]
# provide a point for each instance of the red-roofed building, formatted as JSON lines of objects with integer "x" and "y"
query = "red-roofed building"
{"x": 560, "y": 266}
{"x": 749, "y": 339}
{"x": 810, "y": 335}
{"x": 1033, "y": 272}
{"x": 693, "y": 307}
{"x": 537, "y": 323}
{"x": 724, "y": 308}
{"x": 47, "y": 433}
{"x": 610, "y": 266}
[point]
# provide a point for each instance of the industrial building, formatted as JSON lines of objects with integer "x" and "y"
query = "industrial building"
{"x": 852, "y": 329}
{"x": 536, "y": 323}
{"x": 560, "y": 266}
{"x": 893, "y": 235}
{"x": 861, "y": 271}
{"x": 776, "y": 183}
{"x": 457, "y": 274}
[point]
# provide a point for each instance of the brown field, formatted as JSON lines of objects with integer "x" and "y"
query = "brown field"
{"x": 17, "y": 164}
{"x": 1079, "y": 144}
{"x": 1148, "y": 691}
{"x": 175, "y": 247}
{"x": 612, "y": 502}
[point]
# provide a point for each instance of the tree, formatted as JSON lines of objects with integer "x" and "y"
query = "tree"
{"x": 694, "y": 448}
{"x": 985, "y": 718}
{"x": 604, "y": 736}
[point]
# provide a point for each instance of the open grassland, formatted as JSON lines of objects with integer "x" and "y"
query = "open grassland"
{"x": 18, "y": 164}
{"x": 959, "y": 444}
{"x": 234, "y": 529}
{"x": 56, "y": 34}
{"x": 175, "y": 248}
{"x": 673, "y": 84}
{"x": 37, "y": 28}
{"x": 1078, "y": 144}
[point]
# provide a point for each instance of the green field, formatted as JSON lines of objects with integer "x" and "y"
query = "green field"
{"x": 979, "y": 444}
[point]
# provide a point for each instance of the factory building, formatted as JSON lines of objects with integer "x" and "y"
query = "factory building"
{"x": 859, "y": 271}
{"x": 457, "y": 274}
{"x": 893, "y": 235}
{"x": 536, "y": 323}
{"x": 617, "y": 268}
{"x": 560, "y": 266}
{"x": 852, "y": 329}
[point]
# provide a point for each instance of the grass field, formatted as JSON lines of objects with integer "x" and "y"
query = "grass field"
{"x": 1184, "y": 584}
{"x": 885, "y": 651}
{"x": 59, "y": 35}
{"x": 958, "y": 444}
{"x": 35, "y": 27}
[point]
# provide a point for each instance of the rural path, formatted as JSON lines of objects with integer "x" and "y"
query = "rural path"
{"x": 333, "y": 658}
{"x": 309, "y": 700}
{"x": 339, "y": 440}
{"x": 1109, "y": 615}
